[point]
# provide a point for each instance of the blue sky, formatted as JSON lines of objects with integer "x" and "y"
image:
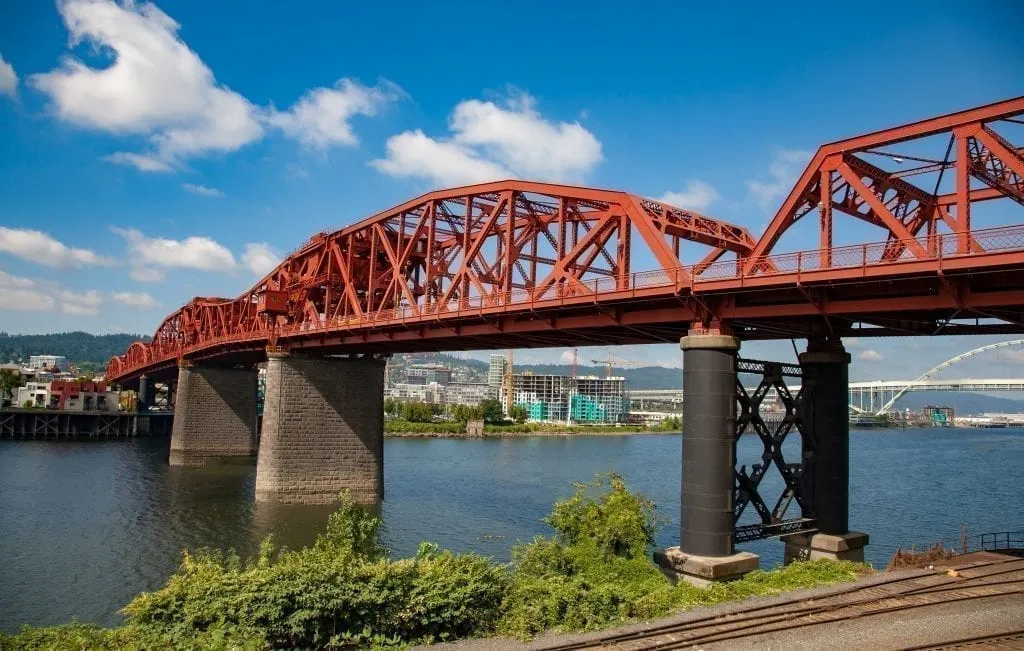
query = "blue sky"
{"x": 150, "y": 153}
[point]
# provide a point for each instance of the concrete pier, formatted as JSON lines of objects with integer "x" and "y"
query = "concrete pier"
{"x": 824, "y": 411}
{"x": 215, "y": 414}
{"x": 323, "y": 429}
{"x": 706, "y": 552}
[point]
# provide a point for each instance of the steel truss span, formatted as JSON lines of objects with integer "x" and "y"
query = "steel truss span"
{"x": 523, "y": 264}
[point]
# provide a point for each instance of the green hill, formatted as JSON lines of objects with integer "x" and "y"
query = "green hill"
{"x": 78, "y": 347}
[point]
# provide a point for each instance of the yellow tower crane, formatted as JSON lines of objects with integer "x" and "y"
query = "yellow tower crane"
{"x": 613, "y": 360}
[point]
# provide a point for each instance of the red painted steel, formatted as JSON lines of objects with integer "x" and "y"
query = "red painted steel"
{"x": 536, "y": 264}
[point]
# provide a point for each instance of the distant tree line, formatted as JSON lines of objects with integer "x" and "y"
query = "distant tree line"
{"x": 79, "y": 347}
{"x": 488, "y": 410}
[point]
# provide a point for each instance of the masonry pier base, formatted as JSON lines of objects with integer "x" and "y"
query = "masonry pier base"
{"x": 323, "y": 429}
{"x": 706, "y": 552}
{"x": 215, "y": 415}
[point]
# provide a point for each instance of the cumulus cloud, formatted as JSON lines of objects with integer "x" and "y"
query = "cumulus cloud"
{"x": 141, "y": 162}
{"x": 697, "y": 195}
{"x": 870, "y": 355}
{"x": 17, "y": 293}
{"x": 8, "y": 79}
{"x": 783, "y": 170}
{"x": 41, "y": 248}
{"x": 83, "y": 304}
{"x": 141, "y": 300}
{"x": 158, "y": 87}
{"x": 490, "y": 142}
{"x": 260, "y": 258}
{"x": 194, "y": 252}
{"x": 321, "y": 117}
{"x": 202, "y": 190}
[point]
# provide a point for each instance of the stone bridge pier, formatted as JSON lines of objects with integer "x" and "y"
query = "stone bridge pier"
{"x": 711, "y": 486}
{"x": 323, "y": 429}
{"x": 215, "y": 414}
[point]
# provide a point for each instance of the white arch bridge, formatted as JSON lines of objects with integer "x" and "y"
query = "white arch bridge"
{"x": 879, "y": 396}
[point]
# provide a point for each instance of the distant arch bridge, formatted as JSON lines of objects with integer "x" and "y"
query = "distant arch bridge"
{"x": 879, "y": 396}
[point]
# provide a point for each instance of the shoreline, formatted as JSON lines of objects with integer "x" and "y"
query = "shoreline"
{"x": 537, "y": 433}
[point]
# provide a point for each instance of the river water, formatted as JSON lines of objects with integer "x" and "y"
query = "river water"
{"x": 84, "y": 526}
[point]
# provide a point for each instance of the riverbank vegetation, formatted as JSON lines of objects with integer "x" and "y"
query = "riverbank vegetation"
{"x": 457, "y": 428}
{"x": 344, "y": 591}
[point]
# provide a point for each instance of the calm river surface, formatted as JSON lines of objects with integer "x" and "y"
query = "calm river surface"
{"x": 84, "y": 526}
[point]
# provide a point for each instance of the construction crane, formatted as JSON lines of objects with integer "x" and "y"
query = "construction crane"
{"x": 617, "y": 361}
{"x": 509, "y": 396}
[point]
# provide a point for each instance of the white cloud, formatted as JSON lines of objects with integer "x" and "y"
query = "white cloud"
{"x": 202, "y": 190}
{"x": 155, "y": 85}
{"x": 192, "y": 252}
{"x": 141, "y": 162}
{"x": 14, "y": 282}
{"x": 85, "y": 304}
{"x": 147, "y": 274}
{"x": 321, "y": 117}
{"x": 491, "y": 142}
{"x": 24, "y": 299}
{"x": 260, "y": 258}
{"x": 697, "y": 195}
{"x": 8, "y": 79}
{"x": 39, "y": 247}
{"x": 447, "y": 163}
{"x": 852, "y": 342}
{"x": 158, "y": 87}
{"x": 141, "y": 300}
{"x": 870, "y": 355}
{"x": 783, "y": 170}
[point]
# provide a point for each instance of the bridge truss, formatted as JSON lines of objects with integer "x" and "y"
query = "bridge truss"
{"x": 517, "y": 263}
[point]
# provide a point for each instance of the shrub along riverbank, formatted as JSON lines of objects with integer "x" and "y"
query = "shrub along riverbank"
{"x": 344, "y": 591}
{"x": 394, "y": 427}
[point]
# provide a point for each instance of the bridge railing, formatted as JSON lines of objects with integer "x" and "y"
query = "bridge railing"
{"x": 893, "y": 253}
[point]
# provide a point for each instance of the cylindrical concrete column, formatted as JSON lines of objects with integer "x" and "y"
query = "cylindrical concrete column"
{"x": 709, "y": 455}
{"x": 142, "y": 402}
{"x": 825, "y": 413}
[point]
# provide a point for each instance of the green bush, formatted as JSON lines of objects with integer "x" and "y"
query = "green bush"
{"x": 395, "y": 426}
{"x": 344, "y": 592}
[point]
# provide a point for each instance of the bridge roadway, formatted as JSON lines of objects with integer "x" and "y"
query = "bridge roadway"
{"x": 522, "y": 264}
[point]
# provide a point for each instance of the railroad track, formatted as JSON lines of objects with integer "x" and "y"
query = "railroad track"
{"x": 979, "y": 581}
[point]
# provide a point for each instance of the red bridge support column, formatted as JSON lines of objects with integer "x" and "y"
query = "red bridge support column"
{"x": 825, "y": 415}
{"x": 323, "y": 429}
{"x": 214, "y": 414}
{"x": 706, "y": 552}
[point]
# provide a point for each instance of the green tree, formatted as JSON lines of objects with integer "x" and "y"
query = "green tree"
{"x": 466, "y": 412}
{"x": 391, "y": 406}
{"x": 491, "y": 411}
{"x": 9, "y": 381}
{"x": 417, "y": 412}
{"x": 519, "y": 413}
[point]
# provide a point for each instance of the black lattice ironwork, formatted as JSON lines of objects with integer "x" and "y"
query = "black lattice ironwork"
{"x": 772, "y": 432}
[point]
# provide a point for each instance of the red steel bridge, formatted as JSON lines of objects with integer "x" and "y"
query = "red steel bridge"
{"x": 524, "y": 264}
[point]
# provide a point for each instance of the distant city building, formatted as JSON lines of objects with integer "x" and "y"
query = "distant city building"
{"x": 48, "y": 362}
{"x": 466, "y": 393}
{"x": 561, "y": 398}
{"x": 68, "y": 396}
{"x": 496, "y": 376}
{"x": 428, "y": 373}
{"x": 939, "y": 416}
